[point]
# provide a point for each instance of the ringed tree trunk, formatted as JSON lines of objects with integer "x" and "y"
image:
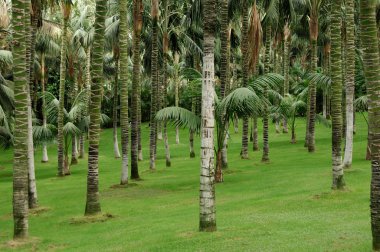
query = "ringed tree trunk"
{"x": 155, "y": 83}
{"x": 313, "y": 30}
{"x": 137, "y": 15}
{"x": 124, "y": 123}
{"x": 45, "y": 157}
{"x": 336, "y": 86}
{"x": 350, "y": 82}
{"x": 372, "y": 75}
{"x": 20, "y": 160}
{"x": 245, "y": 69}
{"x": 255, "y": 135}
{"x": 66, "y": 9}
{"x": 265, "y": 157}
{"x": 115, "y": 104}
{"x": 93, "y": 203}
{"x": 207, "y": 216}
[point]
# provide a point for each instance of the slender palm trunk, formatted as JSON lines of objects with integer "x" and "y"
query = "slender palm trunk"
{"x": 372, "y": 74}
{"x": 74, "y": 147}
{"x": 165, "y": 47}
{"x": 124, "y": 123}
{"x": 336, "y": 86}
{"x": 114, "y": 109}
{"x": 20, "y": 160}
{"x": 93, "y": 203}
{"x": 265, "y": 157}
{"x": 286, "y": 64}
{"x": 45, "y": 157}
{"x": 62, "y": 80}
{"x": 350, "y": 82}
{"x": 155, "y": 84}
{"x": 137, "y": 12}
{"x": 207, "y": 218}
{"x": 245, "y": 68}
{"x": 31, "y": 24}
{"x": 255, "y": 135}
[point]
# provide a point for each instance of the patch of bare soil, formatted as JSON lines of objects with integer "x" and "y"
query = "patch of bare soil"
{"x": 91, "y": 219}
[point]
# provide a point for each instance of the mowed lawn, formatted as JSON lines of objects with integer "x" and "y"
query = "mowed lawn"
{"x": 286, "y": 205}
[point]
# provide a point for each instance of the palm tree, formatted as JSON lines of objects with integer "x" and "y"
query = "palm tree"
{"x": 336, "y": 102}
{"x": 20, "y": 163}
{"x": 207, "y": 218}
{"x": 350, "y": 82}
{"x": 372, "y": 75}
{"x": 66, "y": 10}
{"x": 92, "y": 203}
{"x": 124, "y": 123}
{"x": 155, "y": 84}
{"x": 137, "y": 26}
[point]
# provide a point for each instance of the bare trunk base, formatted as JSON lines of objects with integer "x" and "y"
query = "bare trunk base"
{"x": 285, "y": 129}
{"x": 45, "y": 157}
{"x": 66, "y": 167}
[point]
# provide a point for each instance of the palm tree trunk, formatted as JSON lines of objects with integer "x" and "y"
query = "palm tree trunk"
{"x": 372, "y": 75}
{"x": 62, "y": 79}
{"x": 350, "y": 82}
{"x": 124, "y": 122}
{"x": 176, "y": 95}
{"x": 92, "y": 203}
{"x": 31, "y": 24}
{"x": 336, "y": 87}
{"x": 155, "y": 84}
{"x": 265, "y": 157}
{"x": 313, "y": 98}
{"x": 207, "y": 220}
{"x": 74, "y": 147}
{"x": 255, "y": 135}
{"x": 245, "y": 69}
{"x": 20, "y": 161}
{"x": 137, "y": 9}
{"x": 45, "y": 157}
{"x": 114, "y": 109}
{"x": 286, "y": 64}
{"x": 165, "y": 47}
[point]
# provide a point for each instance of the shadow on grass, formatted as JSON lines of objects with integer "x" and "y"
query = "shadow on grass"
{"x": 331, "y": 194}
{"x": 91, "y": 219}
{"x": 38, "y": 211}
{"x": 118, "y": 186}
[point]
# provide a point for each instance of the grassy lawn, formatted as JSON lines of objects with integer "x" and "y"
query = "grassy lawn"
{"x": 286, "y": 205}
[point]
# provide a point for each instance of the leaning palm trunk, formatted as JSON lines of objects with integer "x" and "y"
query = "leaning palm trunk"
{"x": 336, "y": 87}
{"x": 207, "y": 218}
{"x": 137, "y": 9}
{"x": 124, "y": 123}
{"x": 155, "y": 80}
{"x": 350, "y": 82}
{"x": 92, "y": 203}
{"x": 114, "y": 109}
{"x": 20, "y": 161}
{"x": 66, "y": 15}
{"x": 245, "y": 68}
{"x": 265, "y": 157}
{"x": 372, "y": 75}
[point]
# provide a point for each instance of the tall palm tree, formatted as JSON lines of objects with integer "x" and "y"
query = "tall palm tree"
{"x": 265, "y": 157}
{"x": 207, "y": 217}
{"x": 20, "y": 163}
{"x": 336, "y": 102}
{"x": 372, "y": 75}
{"x": 92, "y": 203}
{"x": 66, "y": 11}
{"x": 124, "y": 123}
{"x": 137, "y": 26}
{"x": 350, "y": 82}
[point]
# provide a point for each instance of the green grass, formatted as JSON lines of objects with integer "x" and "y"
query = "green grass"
{"x": 286, "y": 205}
